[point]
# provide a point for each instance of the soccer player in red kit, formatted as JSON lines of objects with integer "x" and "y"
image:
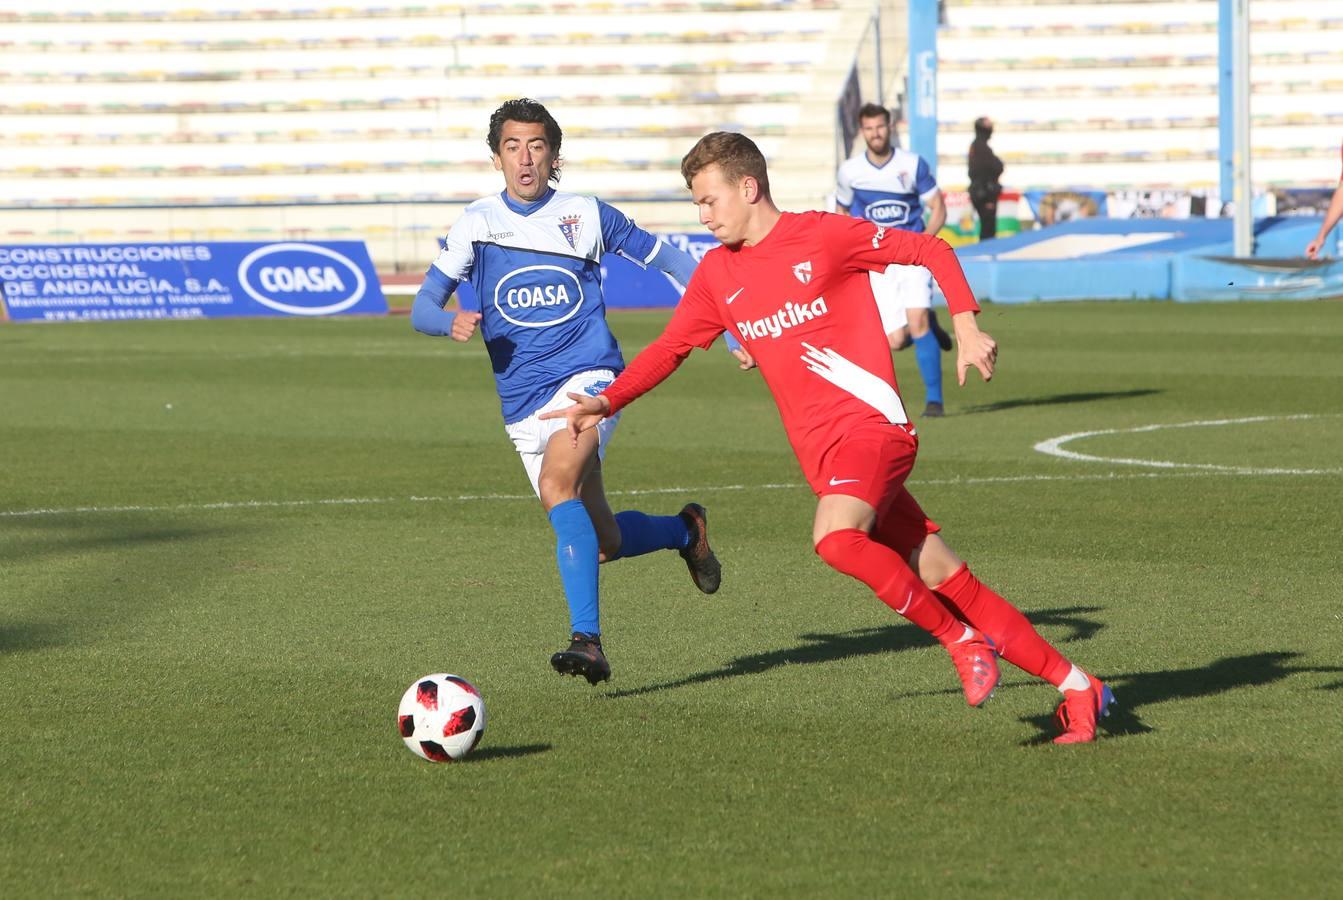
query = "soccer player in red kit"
{"x": 795, "y": 288}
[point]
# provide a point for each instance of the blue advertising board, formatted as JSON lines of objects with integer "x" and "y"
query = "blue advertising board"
{"x": 80, "y": 282}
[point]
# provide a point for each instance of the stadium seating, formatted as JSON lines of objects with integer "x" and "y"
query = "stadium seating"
{"x": 210, "y": 117}
{"x": 1113, "y": 94}
{"x": 144, "y": 115}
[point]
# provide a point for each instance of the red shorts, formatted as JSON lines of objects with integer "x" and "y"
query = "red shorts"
{"x": 872, "y": 463}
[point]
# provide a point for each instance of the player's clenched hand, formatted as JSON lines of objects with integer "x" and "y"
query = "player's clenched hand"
{"x": 584, "y": 414}
{"x": 464, "y": 325}
{"x": 746, "y": 359}
{"x": 1313, "y": 248}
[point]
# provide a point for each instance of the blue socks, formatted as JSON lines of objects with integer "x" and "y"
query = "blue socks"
{"x": 929, "y": 357}
{"x": 641, "y": 533}
{"x": 576, "y": 555}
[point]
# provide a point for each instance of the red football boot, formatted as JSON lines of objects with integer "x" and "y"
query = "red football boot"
{"x": 977, "y": 664}
{"x": 1081, "y": 710}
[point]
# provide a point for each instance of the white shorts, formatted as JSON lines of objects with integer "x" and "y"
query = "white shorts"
{"x": 899, "y": 288}
{"x": 530, "y": 435}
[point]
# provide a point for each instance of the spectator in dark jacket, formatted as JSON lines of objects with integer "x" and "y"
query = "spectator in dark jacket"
{"x": 985, "y": 170}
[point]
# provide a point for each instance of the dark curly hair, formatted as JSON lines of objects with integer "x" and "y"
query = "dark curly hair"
{"x": 872, "y": 110}
{"x": 526, "y": 110}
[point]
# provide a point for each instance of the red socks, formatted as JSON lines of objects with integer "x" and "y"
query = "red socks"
{"x": 853, "y": 552}
{"x": 1016, "y": 639}
{"x": 944, "y": 611}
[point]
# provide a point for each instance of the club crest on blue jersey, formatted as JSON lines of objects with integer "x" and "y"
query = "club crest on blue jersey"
{"x": 570, "y": 226}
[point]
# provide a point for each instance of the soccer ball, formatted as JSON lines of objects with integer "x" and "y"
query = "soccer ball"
{"x": 441, "y": 717}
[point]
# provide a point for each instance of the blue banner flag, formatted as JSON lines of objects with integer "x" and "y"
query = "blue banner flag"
{"x": 79, "y": 282}
{"x": 921, "y": 103}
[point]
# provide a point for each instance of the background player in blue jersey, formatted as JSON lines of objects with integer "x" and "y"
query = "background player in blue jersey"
{"x": 533, "y": 256}
{"x": 891, "y": 187}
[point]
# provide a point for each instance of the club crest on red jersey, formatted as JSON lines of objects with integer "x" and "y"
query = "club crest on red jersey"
{"x": 570, "y": 226}
{"x": 803, "y": 271}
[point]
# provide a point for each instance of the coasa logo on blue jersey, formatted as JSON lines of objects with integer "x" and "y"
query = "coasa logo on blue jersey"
{"x": 888, "y": 212}
{"x": 301, "y": 279}
{"x": 538, "y": 296}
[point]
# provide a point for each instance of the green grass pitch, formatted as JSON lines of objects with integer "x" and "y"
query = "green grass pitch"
{"x": 227, "y": 547}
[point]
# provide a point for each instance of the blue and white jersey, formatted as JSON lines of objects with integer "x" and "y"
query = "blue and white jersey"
{"x": 537, "y": 271}
{"x": 892, "y": 194}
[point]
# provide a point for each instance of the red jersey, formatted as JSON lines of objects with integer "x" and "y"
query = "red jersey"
{"x": 802, "y": 305}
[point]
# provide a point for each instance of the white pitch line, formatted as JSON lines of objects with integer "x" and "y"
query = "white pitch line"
{"x": 353, "y": 501}
{"x": 1054, "y": 447}
{"x": 702, "y": 489}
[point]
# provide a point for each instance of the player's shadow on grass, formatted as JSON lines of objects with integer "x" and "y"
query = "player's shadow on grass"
{"x": 819, "y": 648}
{"x": 1134, "y": 690}
{"x": 102, "y": 589}
{"x": 104, "y": 536}
{"x": 513, "y": 752}
{"x": 824, "y": 648}
{"x": 20, "y": 637}
{"x": 1057, "y": 399}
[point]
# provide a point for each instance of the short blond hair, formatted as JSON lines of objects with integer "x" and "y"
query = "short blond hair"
{"x": 734, "y": 154}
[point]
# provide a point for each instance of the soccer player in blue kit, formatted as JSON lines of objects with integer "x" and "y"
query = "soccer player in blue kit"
{"x": 890, "y": 186}
{"x": 533, "y": 256}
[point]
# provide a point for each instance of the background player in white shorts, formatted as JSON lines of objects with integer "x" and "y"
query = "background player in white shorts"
{"x": 891, "y": 186}
{"x": 533, "y": 255}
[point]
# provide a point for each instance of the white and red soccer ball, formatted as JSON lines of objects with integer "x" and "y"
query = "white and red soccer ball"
{"x": 441, "y": 717}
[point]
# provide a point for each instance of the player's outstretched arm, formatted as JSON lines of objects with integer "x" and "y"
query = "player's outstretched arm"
{"x": 937, "y": 212}
{"x": 1331, "y": 218}
{"x": 973, "y": 348}
{"x": 681, "y": 266}
{"x": 584, "y": 414}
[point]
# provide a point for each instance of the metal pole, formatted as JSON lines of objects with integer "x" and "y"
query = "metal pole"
{"x": 1244, "y": 222}
{"x": 1226, "y": 107}
{"x": 881, "y": 75}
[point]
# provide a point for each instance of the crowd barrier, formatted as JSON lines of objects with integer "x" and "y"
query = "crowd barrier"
{"x": 1083, "y": 259}
{"x": 1189, "y": 259}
